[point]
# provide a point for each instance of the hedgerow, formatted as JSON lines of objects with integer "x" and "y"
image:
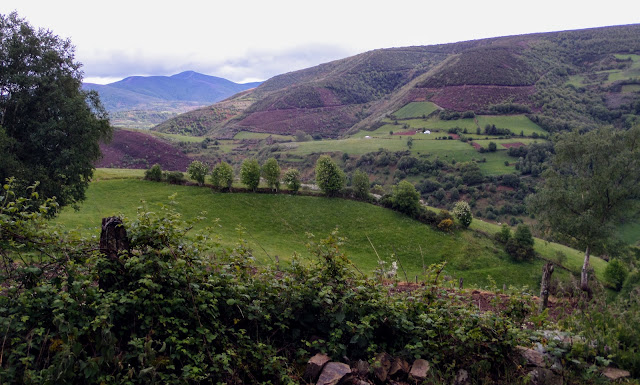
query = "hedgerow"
{"x": 177, "y": 308}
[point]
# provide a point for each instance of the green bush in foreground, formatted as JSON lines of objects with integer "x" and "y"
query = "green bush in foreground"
{"x": 177, "y": 312}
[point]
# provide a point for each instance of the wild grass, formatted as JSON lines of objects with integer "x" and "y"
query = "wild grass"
{"x": 279, "y": 225}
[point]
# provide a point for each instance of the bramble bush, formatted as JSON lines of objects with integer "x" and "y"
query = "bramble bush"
{"x": 181, "y": 309}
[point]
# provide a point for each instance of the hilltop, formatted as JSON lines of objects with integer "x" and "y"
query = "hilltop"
{"x": 562, "y": 80}
{"x": 143, "y": 101}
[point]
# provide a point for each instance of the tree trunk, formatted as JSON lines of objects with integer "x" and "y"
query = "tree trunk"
{"x": 584, "y": 278}
{"x": 547, "y": 270}
{"x": 113, "y": 241}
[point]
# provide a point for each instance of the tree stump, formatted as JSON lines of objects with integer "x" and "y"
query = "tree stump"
{"x": 547, "y": 270}
{"x": 113, "y": 242}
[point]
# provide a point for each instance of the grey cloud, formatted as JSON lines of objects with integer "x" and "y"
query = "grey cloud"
{"x": 260, "y": 65}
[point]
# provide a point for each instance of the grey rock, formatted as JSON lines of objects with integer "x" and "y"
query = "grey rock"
{"x": 399, "y": 368}
{"x": 332, "y": 373}
{"x": 615, "y": 374}
{"x": 419, "y": 369}
{"x": 533, "y": 357}
{"x": 542, "y": 376}
{"x": 381, "y": 367}
{"x": 314, "y": 366}
{"x": 462, "y": 378}
{"x": 361, "y": 368}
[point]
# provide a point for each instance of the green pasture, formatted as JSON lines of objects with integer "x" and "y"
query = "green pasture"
{"x": 443, "y": 149}
{"x": 261, "y": 135}
{"x": 278, "y": 225}
{"x": 576, "y": 81}
{"x": 549, "y": 250}
{"x": 515, "y": 123}
{"x": 415, "y": 110}
{"x": 631, "y": 88}
{"x": 176, "y": 137}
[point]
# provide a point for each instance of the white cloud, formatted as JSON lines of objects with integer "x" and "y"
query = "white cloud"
{"x": 258, "y": 39}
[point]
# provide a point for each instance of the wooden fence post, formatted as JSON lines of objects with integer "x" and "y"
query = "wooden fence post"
{"x": 547, "y": 270}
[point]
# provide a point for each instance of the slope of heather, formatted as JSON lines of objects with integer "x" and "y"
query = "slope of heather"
{"x": 131, "y": 149}
{"x": 516, "y": 74}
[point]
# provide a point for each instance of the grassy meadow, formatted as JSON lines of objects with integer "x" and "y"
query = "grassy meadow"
{"x": 279, "y": 225}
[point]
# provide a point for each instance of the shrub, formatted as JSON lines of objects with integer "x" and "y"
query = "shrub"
{"x": 445, "y": 225}
{"x": 174, "y": 177}
{"x": 292, "y": 180}
{"x": 462, "y": 212}
{"x": 504, "y": 234}
{"x": 360, "y": 183}
{"x": 615, "y": 274}
{"x": 250, "y": 174}
{"x": 198, "y": 171}
{"x": 520, "y": 246}
{"x": 329, "y": 177}
{"x": 154, "y": 173}
{"x": 222, "y": 176}
{"x": 406, "y": 198}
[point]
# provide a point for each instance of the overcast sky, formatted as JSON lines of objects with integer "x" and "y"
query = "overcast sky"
{"x": 248, "y": 40}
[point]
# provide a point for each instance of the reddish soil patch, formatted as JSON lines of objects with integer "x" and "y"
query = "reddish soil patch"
{"x": 478, "y": 98}
{"x": 476, "y": 145}
{"x": 405, "y": 133}
{"x": 509, "y": 145}
{"x": 454, "y": 136}
{"x": 130, "y": 149}
{"x": 326, "y": 121}
{"x": 505, "y": 188}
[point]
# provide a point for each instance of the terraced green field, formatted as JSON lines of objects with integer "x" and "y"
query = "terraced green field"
{"x": 261, "y": 135}
{"x": 416, "y": 110}
{"x": 279, "y": 225}
{"x": 515, "y": 123}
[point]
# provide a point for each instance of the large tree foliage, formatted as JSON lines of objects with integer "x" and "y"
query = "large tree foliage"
{"x": 271, "y": 173}
{"x": 51, "y": 128}
{"x": 250, "y": 174}
{"x": 222, "y": 176}
{"x": 329, "y": 177}
{"x": 405, "y": 198}
{"x": 592, "y": 183}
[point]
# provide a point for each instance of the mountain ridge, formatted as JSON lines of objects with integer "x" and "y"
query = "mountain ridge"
{"x": 500, "y": 75}
{"x": 151, "y": 98}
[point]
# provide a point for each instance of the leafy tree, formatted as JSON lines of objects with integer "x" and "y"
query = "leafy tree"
{"x": 222, "y": 176}
{"x": 492, "y": 147}
{"x": 250, "y": 173}
{"x": 198, "y": 171}
{"x": 292, "y": 179}
{"x": 360, "y": 184}
{"x": 591, "y": 184}
{"x": 406, "y": 198}
{"x": 154, "y": 173}
{"x": 462, "y": 212}
{"x": 271, "y": 173}
{"x": 471, "y": 173}
{"x": 520, "y": 246}
{"x": 615, "y": 274}
{"x": 51, "y": 128}
{"x": 329, "y": 177}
